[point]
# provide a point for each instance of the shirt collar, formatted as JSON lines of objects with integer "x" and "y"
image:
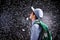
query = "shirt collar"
{"x": 34, "y": 21}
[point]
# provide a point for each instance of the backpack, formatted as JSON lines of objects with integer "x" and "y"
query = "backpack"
{"x": 45, "y": 34}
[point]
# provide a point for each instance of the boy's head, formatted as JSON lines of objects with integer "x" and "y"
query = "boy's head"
{"x": 37, "y": 13}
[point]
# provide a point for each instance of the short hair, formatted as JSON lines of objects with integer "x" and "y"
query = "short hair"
{"x": 35, "y": 15}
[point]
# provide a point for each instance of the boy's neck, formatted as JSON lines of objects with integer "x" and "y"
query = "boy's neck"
{"x": 33, "y": 19}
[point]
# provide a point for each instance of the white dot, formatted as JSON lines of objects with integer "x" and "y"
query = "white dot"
{"x": 23, "y": 29}
{"x": 27, "y": 18}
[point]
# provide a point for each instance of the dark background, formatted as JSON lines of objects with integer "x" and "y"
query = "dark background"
{"x": 13, "y": 14}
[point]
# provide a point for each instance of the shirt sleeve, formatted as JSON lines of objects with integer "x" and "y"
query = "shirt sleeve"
{"x": 35, "y": 30}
